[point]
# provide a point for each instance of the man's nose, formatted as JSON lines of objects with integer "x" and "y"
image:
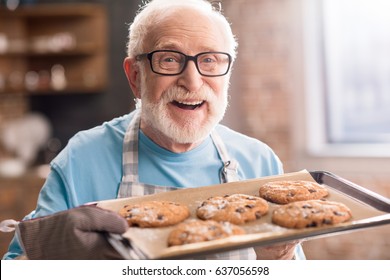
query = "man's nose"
{"x": 191, "y": 79}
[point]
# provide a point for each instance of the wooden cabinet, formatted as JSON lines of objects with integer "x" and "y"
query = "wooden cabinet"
{"x": 53, "y": 48}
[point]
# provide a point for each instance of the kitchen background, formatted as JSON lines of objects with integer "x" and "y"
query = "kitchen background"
{"x": 71, "y": 87}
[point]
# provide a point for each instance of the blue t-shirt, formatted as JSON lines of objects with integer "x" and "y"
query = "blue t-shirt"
{"x": 90, "y": 167}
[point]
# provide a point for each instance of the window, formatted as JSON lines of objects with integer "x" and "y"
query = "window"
{"x": 347, "y": 52}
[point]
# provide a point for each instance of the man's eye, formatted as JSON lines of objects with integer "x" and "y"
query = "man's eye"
{"x": 208, "y": 60}
{"x": 169, "y": 59}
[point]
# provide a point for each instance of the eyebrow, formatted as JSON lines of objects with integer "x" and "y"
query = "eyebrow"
{"x": 178, "y": 46}
{"x": 167, "y": 46}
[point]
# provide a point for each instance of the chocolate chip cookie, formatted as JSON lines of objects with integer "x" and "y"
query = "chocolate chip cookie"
{"x": 283, "y": 192}
{"x": 154, "y": 213}
{"x": 235, "y": 208}
{"x": 193, "y": 231}
{"x": 311, "y": 213}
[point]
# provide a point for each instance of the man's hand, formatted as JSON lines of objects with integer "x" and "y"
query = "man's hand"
{"x": 78, "y": 233}
{"x": 283, "y": 251}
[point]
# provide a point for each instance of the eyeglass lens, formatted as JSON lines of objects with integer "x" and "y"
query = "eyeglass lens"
{"x": 208, "y": 63}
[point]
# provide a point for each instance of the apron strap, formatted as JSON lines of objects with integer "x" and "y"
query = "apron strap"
{"x": 229, "y": 170}
{"x": 130, "y": 150}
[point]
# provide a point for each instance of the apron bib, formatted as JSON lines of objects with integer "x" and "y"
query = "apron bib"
{"x": 130, "y": 185}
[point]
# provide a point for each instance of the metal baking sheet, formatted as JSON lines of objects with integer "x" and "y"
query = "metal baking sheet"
{"x": 368, "y": 210}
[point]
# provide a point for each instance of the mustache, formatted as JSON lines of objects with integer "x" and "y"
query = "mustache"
{"x": 177, "y": 93}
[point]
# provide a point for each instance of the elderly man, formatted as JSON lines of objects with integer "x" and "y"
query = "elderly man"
{"x": 180, "y": 55}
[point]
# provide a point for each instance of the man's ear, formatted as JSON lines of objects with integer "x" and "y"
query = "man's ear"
{"x": 132, "y": 73}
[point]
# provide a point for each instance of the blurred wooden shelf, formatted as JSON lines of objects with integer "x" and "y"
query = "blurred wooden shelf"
{"x": 36, "y": 38}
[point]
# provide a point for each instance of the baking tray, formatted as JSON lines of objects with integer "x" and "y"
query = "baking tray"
{"x": 368, "y": 210}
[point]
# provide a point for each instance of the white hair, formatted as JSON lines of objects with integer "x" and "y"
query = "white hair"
{"x": 155, "y": 11}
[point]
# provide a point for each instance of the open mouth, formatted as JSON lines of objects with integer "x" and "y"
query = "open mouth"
{"x": 187, "y": 105}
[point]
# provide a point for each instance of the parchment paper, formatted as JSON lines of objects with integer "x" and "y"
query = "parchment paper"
{"x": 153, "y": 241}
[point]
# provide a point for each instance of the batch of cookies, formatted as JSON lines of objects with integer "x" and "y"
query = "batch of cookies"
{"x": 300, "y": 204}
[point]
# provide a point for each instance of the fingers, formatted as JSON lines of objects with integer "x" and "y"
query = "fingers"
{"x": 283, "y": 246}
{"x": 280, "y": 251}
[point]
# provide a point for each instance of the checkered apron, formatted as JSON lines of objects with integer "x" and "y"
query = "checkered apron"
{"x": 130, "y": 185}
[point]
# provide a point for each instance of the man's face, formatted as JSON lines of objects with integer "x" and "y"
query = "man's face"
{"x": 186, "y": 107}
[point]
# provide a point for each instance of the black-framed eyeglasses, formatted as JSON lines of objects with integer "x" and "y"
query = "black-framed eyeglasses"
{"x": 171, "y": 63}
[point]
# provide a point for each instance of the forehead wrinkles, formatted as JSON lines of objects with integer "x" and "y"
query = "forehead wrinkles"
{"x": 187, "y": 41}
{"x": 195, "y": 32}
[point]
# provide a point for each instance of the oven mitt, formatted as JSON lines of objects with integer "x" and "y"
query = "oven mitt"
{"x": 79, "y": 233}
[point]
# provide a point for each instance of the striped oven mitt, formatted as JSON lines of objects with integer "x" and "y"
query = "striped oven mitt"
{"x": 79, "y": 233}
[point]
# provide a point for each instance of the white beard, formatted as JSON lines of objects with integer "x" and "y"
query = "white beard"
{"x": 156, "y": 115}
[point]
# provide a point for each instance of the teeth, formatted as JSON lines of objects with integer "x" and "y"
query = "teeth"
{"x": 193, "y": 103}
